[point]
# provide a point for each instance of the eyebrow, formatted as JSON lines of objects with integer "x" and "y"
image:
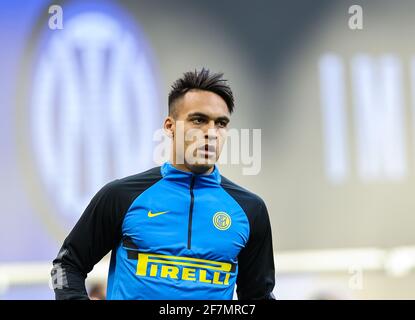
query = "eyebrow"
{"x": 203, "y": 115}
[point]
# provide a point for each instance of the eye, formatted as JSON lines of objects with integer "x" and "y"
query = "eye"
{"x": 222, "y": 124}
{"x": 197, "y": 121}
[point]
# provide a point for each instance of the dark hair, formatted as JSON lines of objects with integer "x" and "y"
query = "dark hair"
{"x": 201, "y": 80}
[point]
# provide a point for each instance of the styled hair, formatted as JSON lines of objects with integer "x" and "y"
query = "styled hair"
{"x": 201, "y": 80}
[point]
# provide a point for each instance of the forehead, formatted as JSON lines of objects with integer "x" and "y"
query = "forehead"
{"x": 202, "y": 101}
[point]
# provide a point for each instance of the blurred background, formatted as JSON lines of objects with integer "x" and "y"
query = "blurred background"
{"x": 334, "y": 97}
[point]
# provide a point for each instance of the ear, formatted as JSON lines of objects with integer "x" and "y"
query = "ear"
{"x": 169, "y": 126}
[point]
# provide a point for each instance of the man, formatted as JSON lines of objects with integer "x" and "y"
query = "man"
{"x": 179, "y": 231}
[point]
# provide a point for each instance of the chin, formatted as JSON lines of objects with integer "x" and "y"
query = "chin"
{"x": 200, "y": 167}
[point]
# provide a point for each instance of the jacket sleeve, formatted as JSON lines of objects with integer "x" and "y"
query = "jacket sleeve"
{"x": 256, "y": 274}
{"x": 95, "y": 234}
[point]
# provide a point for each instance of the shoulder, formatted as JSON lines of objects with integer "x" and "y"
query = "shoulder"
{"x": 130, "y": 187}
{"x": 240, "y": 192}
{"x": 148, "y": 176}
{"x": 249, "y": 201}
{"x": 253, "y": 205}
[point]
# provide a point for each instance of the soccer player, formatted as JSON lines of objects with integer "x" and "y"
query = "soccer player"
{"x": 182, "y": 230}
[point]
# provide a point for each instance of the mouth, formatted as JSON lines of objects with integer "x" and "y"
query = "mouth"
{"x": 208, "y": 150}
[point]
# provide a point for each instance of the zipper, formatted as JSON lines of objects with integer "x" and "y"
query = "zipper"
{"x": 192, "y": 200}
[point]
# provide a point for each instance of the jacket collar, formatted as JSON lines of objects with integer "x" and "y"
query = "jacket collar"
{"x": 170, "y": 172}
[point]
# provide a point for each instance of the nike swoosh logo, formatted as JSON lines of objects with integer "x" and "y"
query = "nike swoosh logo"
{"x": 151, "y": 215}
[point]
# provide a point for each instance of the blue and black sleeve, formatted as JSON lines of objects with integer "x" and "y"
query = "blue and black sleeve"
{"x": 256, "y": 270}
{"x": 97, "y": 232}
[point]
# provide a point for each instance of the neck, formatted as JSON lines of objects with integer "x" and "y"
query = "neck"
{"x": 184, "y": 167}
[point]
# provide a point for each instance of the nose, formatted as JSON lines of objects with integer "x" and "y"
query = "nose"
{"x": 211, "y": 132}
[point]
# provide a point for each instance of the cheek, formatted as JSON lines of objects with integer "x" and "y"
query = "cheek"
{"x": 193, "y": 136}
{"x": 222, "y": 134}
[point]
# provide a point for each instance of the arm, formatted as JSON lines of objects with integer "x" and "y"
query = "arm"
{"x": 256, "y": 274}
{"x": 95, "y": 234}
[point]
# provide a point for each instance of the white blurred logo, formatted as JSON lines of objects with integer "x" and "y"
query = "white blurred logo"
{"x": 375, "y": 120}
{"x": 93, "y": 109}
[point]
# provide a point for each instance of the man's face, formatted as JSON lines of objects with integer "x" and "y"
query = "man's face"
{"x": 199, "y": 127}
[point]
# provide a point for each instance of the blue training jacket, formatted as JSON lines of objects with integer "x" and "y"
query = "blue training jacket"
{"x": 173, "y": 235}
